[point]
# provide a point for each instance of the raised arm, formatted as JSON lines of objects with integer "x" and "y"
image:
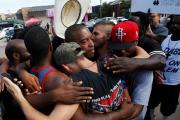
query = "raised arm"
{"x": 162, "y": 34}
{"x": 3, "y": 68}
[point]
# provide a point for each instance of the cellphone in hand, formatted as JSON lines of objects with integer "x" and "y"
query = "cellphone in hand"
{"x": 6, "y": 75}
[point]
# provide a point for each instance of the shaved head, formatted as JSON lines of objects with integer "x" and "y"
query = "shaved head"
{"x": 16, "y": 46}
{"x": 15, "y": 43}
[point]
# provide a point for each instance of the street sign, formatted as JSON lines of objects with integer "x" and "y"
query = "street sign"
{"x": 156, "y": 6}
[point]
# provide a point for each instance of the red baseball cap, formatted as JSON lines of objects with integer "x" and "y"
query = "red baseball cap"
{"x": 124, "y": 35}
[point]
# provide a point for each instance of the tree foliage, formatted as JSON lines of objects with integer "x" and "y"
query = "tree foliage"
{"x": 106, "y": 9}
{"x": 125, "y": 6}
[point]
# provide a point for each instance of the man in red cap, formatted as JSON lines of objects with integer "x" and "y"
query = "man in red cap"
{"x": 123, "y": 43}
{"x": 124, "y": 39}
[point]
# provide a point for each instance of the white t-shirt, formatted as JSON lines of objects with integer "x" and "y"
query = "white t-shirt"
{"x": 172, "y": 69}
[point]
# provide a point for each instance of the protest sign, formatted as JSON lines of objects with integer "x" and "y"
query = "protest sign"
{"x": 156, "y": 6}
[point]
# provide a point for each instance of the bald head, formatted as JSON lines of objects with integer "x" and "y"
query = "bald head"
{"x": 16, "y": 51}
{"x": 15, "y": 43}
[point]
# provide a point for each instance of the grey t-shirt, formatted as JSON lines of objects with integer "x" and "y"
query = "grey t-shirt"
{"x": 160, "y": 30}
{"x": 141, "y": 87}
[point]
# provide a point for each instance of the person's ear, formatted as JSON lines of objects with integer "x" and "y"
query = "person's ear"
{"x": 108, "y": 35}
{"x": 16, "y": 56}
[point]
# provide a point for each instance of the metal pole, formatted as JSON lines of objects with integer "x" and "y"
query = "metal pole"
{"x": 130, "y": 9}
{"x": 100, "y": 8}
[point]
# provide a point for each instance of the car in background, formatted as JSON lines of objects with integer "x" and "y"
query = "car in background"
{"x": 18, "y": 26}
{"x": 120, "y": 19}
{"x": 112, "y": 19}
{"x": 7, "y": 33}
{"x": 98, "y": 20}
{"x": 90, "y": 23}
{"x": 3, "y": 33}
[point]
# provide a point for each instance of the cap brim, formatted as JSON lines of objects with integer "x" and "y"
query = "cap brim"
{"x": 118, "y": 46}
{"x": 80, "y": 53}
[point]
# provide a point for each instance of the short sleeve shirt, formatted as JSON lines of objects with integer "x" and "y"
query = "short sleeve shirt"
{"x": 108, "y": 89}
{"x": 172, "y": 69}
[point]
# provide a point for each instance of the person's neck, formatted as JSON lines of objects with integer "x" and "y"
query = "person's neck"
{"x": 43, "y": 62}
{"x": 85, "y": 63}
{"x": 102, "y": 51}
{"x": 175, "y": 37}
{"x": 13, "y": 66}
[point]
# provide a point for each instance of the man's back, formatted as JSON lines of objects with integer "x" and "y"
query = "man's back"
{"x": 108, "y": 89}
{"x": 171, "y": 48}
{"x": 43, "y": 73}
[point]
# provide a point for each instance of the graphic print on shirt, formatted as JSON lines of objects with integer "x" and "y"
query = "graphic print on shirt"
{"x": 172, "y": 69}
{"x": 110, "y": 102}
{"x": 173, "y": 64}
{"x": 109, "y": 89}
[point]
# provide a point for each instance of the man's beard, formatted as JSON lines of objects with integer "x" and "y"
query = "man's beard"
{"x": 102, "y": 44}
{"x": 24, "y": 58}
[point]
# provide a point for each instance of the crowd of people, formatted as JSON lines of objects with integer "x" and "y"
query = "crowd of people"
{"x": 115, "y": 72}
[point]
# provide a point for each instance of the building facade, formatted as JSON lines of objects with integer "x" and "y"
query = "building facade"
{"x": 39, "y": 12}
{"x": 2, "y": 16}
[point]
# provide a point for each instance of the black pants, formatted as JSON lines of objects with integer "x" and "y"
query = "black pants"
{"x": 167, "y": 95}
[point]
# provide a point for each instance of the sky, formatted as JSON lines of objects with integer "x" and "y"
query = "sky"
{"x": 11, "y": 6}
